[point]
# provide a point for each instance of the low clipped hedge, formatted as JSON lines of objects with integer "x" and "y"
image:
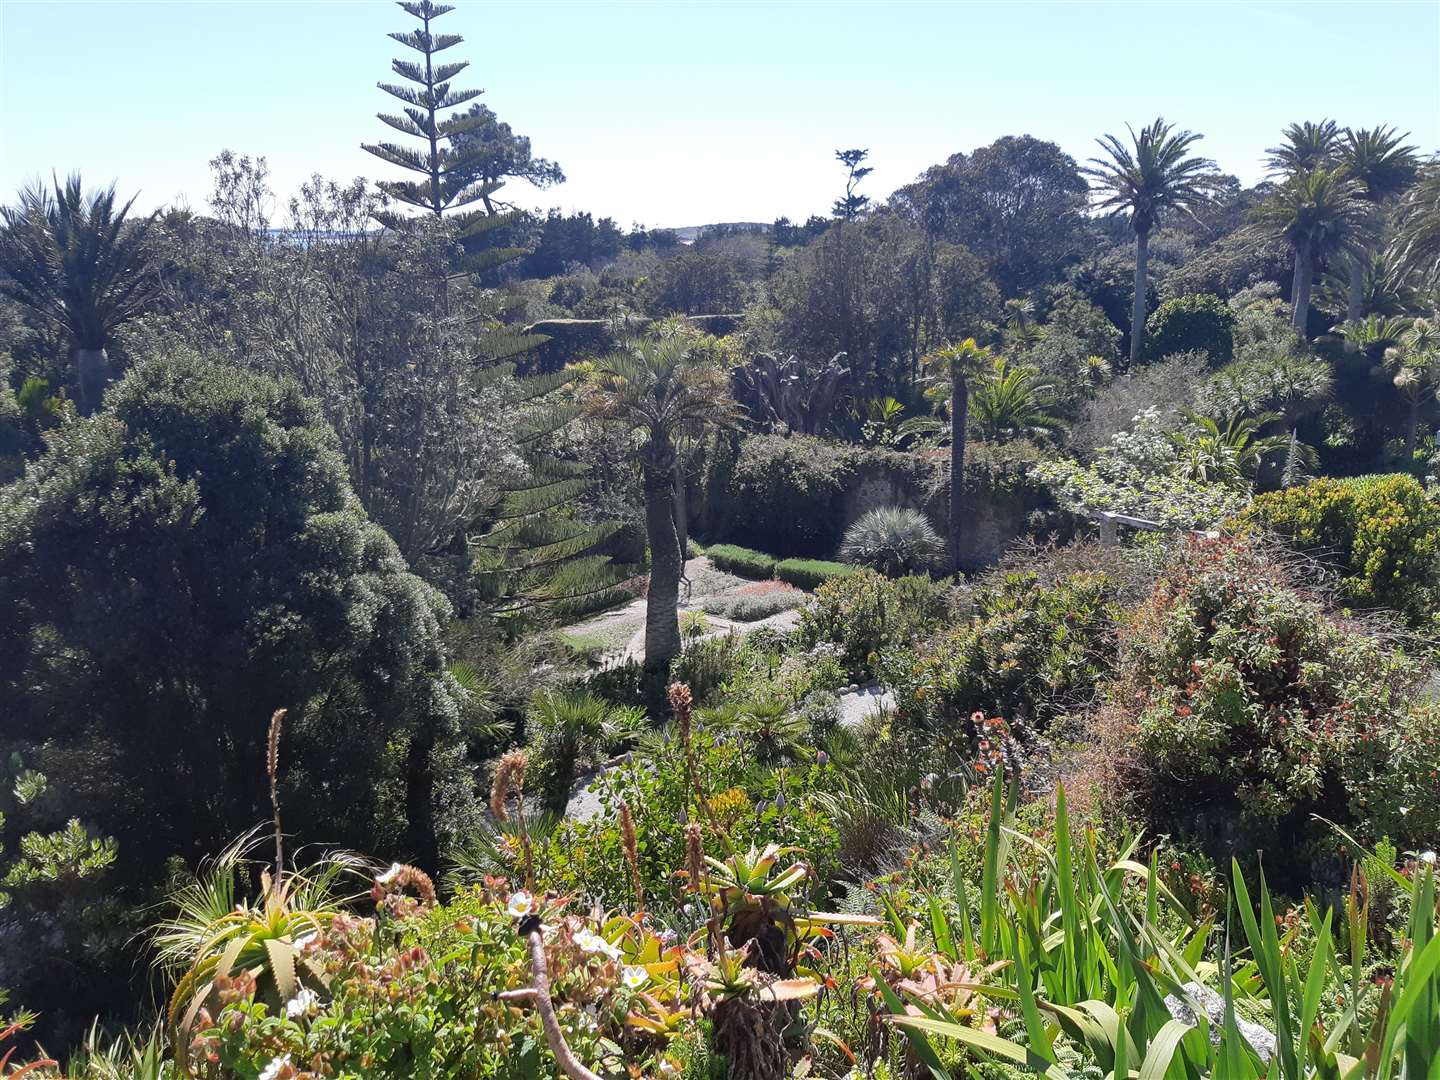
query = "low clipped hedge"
{"x": 744, "y": 561}
{"x": 812, "y": 573}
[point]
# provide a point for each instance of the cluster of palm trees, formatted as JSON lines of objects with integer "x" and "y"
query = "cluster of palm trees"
{"x": 1331, "y": 187}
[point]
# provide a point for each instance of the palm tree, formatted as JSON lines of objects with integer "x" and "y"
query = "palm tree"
{"x": 1378, "y": 159}
{"x": 1416, "y": 363}
{"x": 82, "y": 266}
{"x": 1417, "y": 240}
{"x": 1229, "y": 455}
{"x": 1146, "y": 181}
{"x": 1014, "y": 401}
{"x": 1320, "y": 214}
{"x": 960, "y": 363}
{"x": 664, "y": 388}
{"x": 1307, "y": 146}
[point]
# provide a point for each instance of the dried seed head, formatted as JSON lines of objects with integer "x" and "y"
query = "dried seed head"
{"x": 272, "y": 752}
{"x": 694, "y": 854}
{"x": 680, "y": 703}
{"x": 509, "y": 775}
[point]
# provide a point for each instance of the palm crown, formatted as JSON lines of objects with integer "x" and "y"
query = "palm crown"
{"x": 664, "y": 386}
{"x": 1307, "y": 146}
{"x": 77, "y": 262}
{"x": 1154, "y": 175}
{"x": 1378, "y": 159}
{"x": 1321, "y": 210}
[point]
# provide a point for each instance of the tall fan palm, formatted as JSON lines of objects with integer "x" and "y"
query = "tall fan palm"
{"x": 1306, "y": 146}
{"x": 664, "y": 388}
{"x": 959, "y": 363}
{"x": 83, "y": 266}
{"x": 1152, "y": 177}
{"x": 1320, "y": 214}
{"x": 1417, "y": 240}
{"x": 1378, "y": 159}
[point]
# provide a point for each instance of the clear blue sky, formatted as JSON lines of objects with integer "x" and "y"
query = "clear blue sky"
{"x": 683, "y": 113}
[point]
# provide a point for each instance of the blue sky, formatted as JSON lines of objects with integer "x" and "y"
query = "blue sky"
{"x": 690, "y": 112}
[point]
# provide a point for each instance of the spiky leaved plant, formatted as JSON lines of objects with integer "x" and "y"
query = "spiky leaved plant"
{"x": 83, "y": 266}
{"x": 894, "y": 540}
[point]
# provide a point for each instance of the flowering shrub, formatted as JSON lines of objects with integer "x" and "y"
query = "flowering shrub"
{"x": 1244, "y": 690}
{"x": 1140, "y": 472}
{"x": 865, "y": 614}
{"x": 417, "y": 992}
{"x": 1383, "y": 532}
{"x": 1030, "y": 652}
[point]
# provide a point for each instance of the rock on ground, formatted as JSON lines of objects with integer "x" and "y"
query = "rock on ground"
{"x": 1260, "y": 1038}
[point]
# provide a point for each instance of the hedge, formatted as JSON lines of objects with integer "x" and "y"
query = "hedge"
{"x": 742, "y": 560}
{"x": 812, "y": 573}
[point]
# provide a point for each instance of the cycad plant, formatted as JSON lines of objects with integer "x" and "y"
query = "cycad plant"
{"x": 894, "y": 540}
{"x": 1014, "y": 402}
{"x": 1229, "y": 455}
{"x": 83, "y": 266}
{"x": 1154, "y": 176}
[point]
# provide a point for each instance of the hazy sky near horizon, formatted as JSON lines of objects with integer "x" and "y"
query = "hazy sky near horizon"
{"x": 683, "y": 113}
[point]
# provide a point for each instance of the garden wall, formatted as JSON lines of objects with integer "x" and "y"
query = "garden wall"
{"x": 796, "y": 495}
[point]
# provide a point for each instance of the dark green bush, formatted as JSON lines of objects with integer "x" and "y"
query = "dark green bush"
{"x": 741, "y": 560}
{"x": 812, "y": 573}
{"x": 788, "y": 493}
{"x": 174, "y": 570}
{"x": 1199, "y": 321}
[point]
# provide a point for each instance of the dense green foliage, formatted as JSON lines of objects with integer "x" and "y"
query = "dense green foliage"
{"x": 1192, "y": 324}
{"x": 1381, "y": 532}
{"x": 180, "y": 567}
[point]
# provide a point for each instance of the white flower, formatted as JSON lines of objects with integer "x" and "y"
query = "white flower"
{"x": 593, "y": 943}
{"x": 521, "y": 904}
{"x": 275, "y": 1068}
{"x": 389, "y": 875}
{"x": 635, "y": 977}
{"x": 301, "y": 1003}
{"x": 1428, "y": 858}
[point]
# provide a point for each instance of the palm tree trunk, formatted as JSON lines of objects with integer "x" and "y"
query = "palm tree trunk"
{"x": 93, "y": 373}
{"x": 682, "y": 510}
{"x": 1354, "y": 294}
{"x": 662, "y": 622}
{"x": 1300, "y": 289}
{"x": 959, "y": 415}
{"x": 1137, "y": 313}
{"x": 1411, "y": 431}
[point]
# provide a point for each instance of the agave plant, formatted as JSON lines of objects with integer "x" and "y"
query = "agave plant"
{"x": 893, "y": 540}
